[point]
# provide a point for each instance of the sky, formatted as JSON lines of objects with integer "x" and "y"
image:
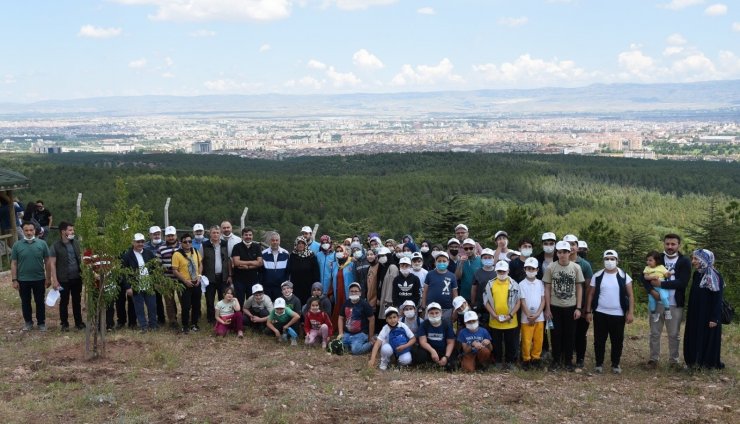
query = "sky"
{"x": 56, "y": 49}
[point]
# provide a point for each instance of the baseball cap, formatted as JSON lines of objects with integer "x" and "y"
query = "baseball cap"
{"x": 416, "y": 255}
{"x": 458, "y": 301}
{"x": 139, "y": 237}
{"x": 562, "y": 245}
{"x": 286, "y": 284}
{"x": 582, "y": 244}
{"x": 533, "y": 262}
{"x": 470, "y": 316}
{"x": 154, "y": 229}
{"x": 487, "y": 251}
{"x": 500, "y": 233}
{"x": 306, "y": 229}
{"x": 611, "y": 252}
{"x": 463, "y": 226}
{"x": 452, "y": 241}
{"x": 549, "y": 236}
{"x": 198, "y": 227}
{"x": 408, "y": 303}
{"x": 404, "y": 260}
{"x": 468, "y": 241}
{"x": 257, "y": 288}
{"x": 502, "y": 266}
{"x": 433, "y": 305}
{"x": 391, "y": 310}
{"x": 355, "y": 284}
{"x": 440, "y": 253}
{"x": 170, "y": 231}
{"x": 279, "y": 303}
{"x": 570, "y": 238}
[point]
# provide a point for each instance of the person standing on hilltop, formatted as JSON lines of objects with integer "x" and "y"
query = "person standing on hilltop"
{"x": 246, "y": 258}
{"x": 462, "y": 233}
{"x": 274, "y": 266}
{"x": 65, "y": 266}
{"x": 581, "y": 324}
{"x": 30, "y": 270}
{"x": 164, "y": 254}
{"x": 43, "y": 217}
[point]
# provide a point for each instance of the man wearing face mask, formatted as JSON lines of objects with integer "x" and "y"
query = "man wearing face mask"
{"x": 485, "y": 274}
{"x": 453, "y": 251}
{"x": 581, "y": 324}
{"x": 65, "y": 266}
{"x": 547, "y": 256}
{"x": 30, "y": 270}
{"x": 417, "y": 268}
{"x": 356, "y": 322}
{"x": 440, "y": 286}
{"x": 198, "y": 237}
{"x": 610, "y": 305}
{"x": 155, "y": 240}
{"x": 470, "y": 264}
{"x": 516, "y": 266}
{"x": 406, "y": 285}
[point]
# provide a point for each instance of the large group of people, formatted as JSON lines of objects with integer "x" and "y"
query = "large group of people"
{"x": 452, "y": 305}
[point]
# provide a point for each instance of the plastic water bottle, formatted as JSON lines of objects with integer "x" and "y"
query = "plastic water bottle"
{"x": 550, "y": 324}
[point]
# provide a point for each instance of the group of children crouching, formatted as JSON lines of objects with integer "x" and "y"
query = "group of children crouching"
{"x": 405, "y": 337}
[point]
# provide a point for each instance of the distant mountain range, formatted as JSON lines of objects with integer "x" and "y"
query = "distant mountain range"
{"x": 597, "y": 99}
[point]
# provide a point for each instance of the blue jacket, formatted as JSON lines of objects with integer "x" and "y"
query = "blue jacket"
{"x": 275, "y": 271}
{"x": 327, "y": 262}
{"x": 349, "y": 278}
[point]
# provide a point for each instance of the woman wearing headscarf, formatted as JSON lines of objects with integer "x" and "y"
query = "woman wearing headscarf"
{"x": 303, "y": 269}
{"x": 426, "y": 253}
{"x": 702, "y": 341}
{"x": 408, "y": 241}
{"x": 326, "y": 262}
{"x": 343, "y": 274}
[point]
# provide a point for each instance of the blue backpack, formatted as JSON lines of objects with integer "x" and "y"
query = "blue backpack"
{"x": 397, "y": 337}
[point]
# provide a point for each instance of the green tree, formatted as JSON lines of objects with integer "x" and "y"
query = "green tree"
{"x": 440, "y": 222}
{"x": 600, "y": 236}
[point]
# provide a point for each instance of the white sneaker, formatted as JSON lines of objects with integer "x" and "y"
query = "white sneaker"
{"x": 383, "y": 365}
{"x": 656, "y": 317}
{"x": 667, "y": 314}
{"x": 598, "y": 370}
{"x": 617, "y": 369}
{"x": 293, "y": 342}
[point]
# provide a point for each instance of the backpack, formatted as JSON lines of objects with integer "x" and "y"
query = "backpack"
{"x": 397, "y": 337}
{"x": 335, "y": 347}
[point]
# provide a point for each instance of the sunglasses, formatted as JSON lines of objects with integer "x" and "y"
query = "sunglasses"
{"x": 186, "y": 241}
{"x": 468, "y": 249}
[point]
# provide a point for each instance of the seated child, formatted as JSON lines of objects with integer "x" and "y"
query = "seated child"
{"x": 317, "y": 324}
{"x": 280, "y": 320}
{"x": 436, "y": 339}
{"x": 654, "y": 270}
{"x": 475, "y": 342}
{"x": 256, "y": 309}
{"x": 227, "y": 316}
{"x": 395, "y": 339}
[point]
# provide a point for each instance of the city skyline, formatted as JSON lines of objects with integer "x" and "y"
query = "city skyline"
{"x": 198, "y": 47}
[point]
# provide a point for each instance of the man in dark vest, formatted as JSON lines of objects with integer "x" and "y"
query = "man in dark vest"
{"x": 65, "y": 266}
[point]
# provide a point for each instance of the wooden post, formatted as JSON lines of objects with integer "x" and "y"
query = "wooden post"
{"x": 244, "y": 217}
{"x": 315, "y": 231}
{"x": 13, "y": 220}
{"x": 79, "y": 205}
{"x": 167, "y": 213}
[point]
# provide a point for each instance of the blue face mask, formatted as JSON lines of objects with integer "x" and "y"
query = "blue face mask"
{"x": 487, "y": 262}
{"x": 442, "y": 266}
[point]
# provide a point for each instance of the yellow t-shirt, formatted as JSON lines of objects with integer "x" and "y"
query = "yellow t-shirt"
{"x": 180, "y": 263}
{"x": 500, "y": 296}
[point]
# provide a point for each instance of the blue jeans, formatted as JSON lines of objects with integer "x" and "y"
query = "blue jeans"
{"x": 142, "y": 299}
{"x": 37, "y": 289}
{"x": 358, "y": 343}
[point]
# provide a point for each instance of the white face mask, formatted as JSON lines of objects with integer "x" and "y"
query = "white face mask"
{"x": 383, "y": 259}
{"x": 409, "y": 314}
{"x": 248, "y": 243}
{"x": 526, "y": 252}
{"x": 424, "y": 249}
{"x": 502, "y": 277}
{"x": 357, "y": 254}
{"x": 416, "y": 267}
{"x": 610, "y": 264}
{"x": 354, "y": 297}
{"x": 29, "y": 239}
{"x": 548, "y": 249}
{"x": 325, "y": 246}
{"x": 400, "y": 255}
{"x": 405, "y": 272}
{"x": 435, "y": 320}
{"x": 340, "y": 255}
{"x": 531, "y": 274}
{"x": 71, "y": 237}
{"x": 199, "y": 238}
{"x": 472, "y": 326}
{"x": 157, "y": 241}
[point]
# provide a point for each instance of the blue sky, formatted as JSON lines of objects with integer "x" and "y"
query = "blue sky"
{"x": 55, "y": 49}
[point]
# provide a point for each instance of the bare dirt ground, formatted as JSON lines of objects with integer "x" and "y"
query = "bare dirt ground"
{"x": 166, "y": 377}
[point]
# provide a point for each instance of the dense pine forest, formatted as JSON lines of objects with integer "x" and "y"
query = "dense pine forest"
{"x": 609, "y": 202}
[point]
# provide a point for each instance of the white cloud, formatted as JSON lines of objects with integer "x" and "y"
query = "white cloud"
{"x": 529, "y": 71}
{"x": 229, "y": 85}
{"x": 340, "y": 79}
{"x": 695, "y": 67}
{"x": 513, "y": 22}
{"x": 718, "y": 9}
{"x": 91, "y": 31}
{"x": 681, "y": 4}
{"x": 168, "y": 75}
{"x": 315, "y": 64}
{"x": 366, "y": 60}
{"x": 426, "y": 74}
{"x": 426, "y": 11}
{"x": 215, "y": 10}
{"x": 203, "y": 33}
{"x": 636, "y": 63}
{"x": 729, "y": 63}
{"x": 265, "y": 47}
{"x": 736, "y": 26}
{"x": 307, "y": 82}
{"x": 137, "y": 64}
{"x": 672, "y": 50}
{"x": 676, "y": 39}
{"x": 358, "y": 4}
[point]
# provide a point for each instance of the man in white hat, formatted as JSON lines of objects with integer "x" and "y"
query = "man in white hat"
{"x": 563, "y": 294}
{"x": 198, "y": 237}
{"x": 547, "y": 256}
{"x": 462, "y": 233}
{"x": 137, "y": 286}
{"x": 307, "y": 234}
{"x": 440, "y": 286}
{"x": 469, "y": 264}
{"x": 436, "y": 339}
{"x": 581, "y": 324}
{"x": 164, "y": 254}
{"x": 155, "y": 240}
